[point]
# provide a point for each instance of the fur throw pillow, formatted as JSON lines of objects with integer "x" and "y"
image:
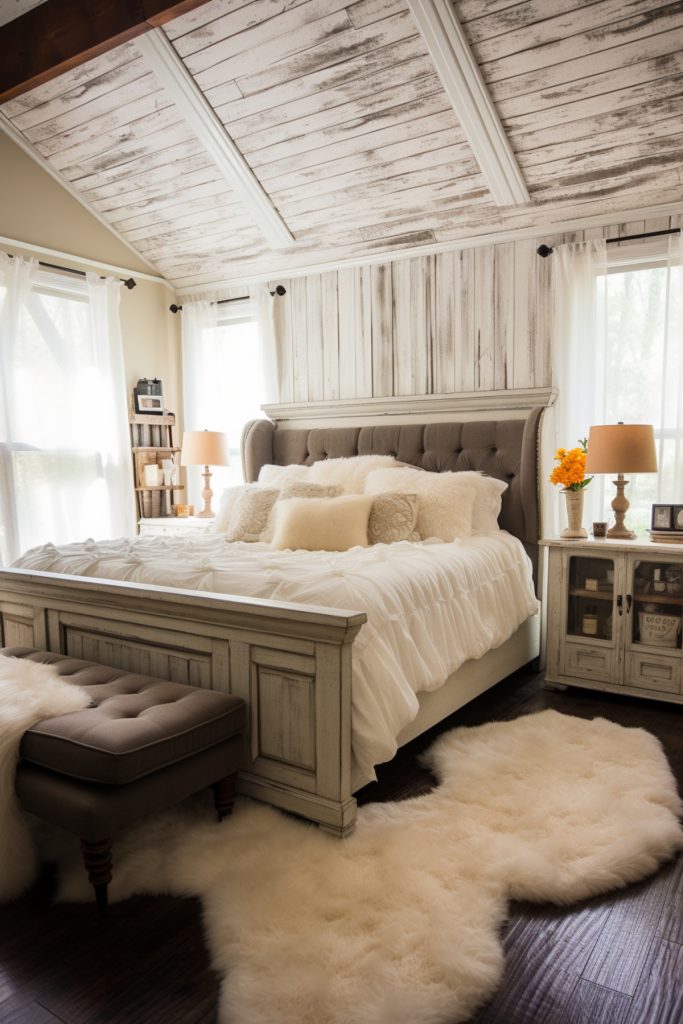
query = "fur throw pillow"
{"x": 445, "y": 500}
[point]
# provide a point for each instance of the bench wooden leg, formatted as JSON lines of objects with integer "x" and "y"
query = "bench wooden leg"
{"x": 98, "y": 864}
{"x": 224, "y": 795}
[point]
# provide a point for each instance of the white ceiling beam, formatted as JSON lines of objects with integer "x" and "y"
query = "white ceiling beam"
{"x": 181, "y": 87}
{"x": 465, "y": 88}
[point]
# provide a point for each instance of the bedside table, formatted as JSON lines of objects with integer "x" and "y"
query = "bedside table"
{"x": 614, "y": 611}
{"x": 173, "y": 526}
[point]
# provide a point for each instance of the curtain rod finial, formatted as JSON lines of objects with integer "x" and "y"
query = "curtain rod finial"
{"x": 279, "y": 290}
{"x": 544, "y": 250}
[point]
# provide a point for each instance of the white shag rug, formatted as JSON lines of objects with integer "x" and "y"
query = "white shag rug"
{"x": 399, "y": 924}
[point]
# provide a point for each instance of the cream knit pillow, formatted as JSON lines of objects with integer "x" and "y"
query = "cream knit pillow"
{"x": 393, "y": 517}
{"x": 322, "y": 524}
{"x": 303, "y": 489}
{"x": 249, "y": 517}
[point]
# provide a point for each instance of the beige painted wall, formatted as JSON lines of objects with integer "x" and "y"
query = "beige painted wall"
{"x": 36, "y": 210}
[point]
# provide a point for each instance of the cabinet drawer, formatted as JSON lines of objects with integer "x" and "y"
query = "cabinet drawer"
{"x": 589, "y": 662}
{"x": 653, "y": 672}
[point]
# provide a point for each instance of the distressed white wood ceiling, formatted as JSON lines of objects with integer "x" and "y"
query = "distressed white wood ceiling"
{"x": 338, "y": 110}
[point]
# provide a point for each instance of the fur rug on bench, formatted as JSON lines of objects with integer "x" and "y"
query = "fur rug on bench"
{"x": 399, "y": 924}
{"x": 29, "y": 692}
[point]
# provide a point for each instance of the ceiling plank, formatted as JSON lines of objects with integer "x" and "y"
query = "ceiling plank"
{"x": 190, "y": 102}
{"x": 465, "y": 88}
{"x": 60, "y": 35}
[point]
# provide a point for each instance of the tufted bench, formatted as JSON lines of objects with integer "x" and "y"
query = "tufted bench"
{"x": 143, "y": 745}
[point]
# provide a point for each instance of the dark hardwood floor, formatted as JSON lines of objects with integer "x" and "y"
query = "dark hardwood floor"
{"x": 613, "y": 960}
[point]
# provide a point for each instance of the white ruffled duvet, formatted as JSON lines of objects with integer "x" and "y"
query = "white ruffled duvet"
{"x": 430, "y": 606}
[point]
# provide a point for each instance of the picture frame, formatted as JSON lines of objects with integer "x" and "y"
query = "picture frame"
{"x": 678, "y": 517}
{"x": 153, "y": 404}
{"x": 663, "y": 517}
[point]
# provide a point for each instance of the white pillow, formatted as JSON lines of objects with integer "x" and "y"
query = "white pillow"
{"x": 225, "y": 506}
{"x": 487, "y": 504}
{"x": 445, "y": 500}
{"x": 350, "y": 473}
{"x": 322, "y": 524}
{"x": 278, "y": 476}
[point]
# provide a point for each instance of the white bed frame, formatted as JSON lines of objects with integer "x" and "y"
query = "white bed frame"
{"x": 290, "y": 663}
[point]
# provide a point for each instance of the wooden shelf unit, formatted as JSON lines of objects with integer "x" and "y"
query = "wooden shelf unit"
{"x": 151, "y": 442}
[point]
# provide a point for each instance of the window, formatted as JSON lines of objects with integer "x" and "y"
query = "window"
{"x": 241, "y": 372}
{"x": 64, "y": 461}
{"x": 640, "y": 372}
{"x": 223, "y": 381}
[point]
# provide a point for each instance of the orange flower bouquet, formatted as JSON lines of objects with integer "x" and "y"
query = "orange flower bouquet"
{"x": 570, "y": 472}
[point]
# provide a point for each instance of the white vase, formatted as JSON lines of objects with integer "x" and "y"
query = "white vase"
{"x": 574, "y": 503}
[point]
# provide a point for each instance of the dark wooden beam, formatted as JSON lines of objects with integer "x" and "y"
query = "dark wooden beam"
{"x": 61, "y": 34}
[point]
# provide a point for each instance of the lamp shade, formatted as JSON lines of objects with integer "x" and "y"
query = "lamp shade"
{"x": 621, "y": 448}
{"x": 204, "y": 448}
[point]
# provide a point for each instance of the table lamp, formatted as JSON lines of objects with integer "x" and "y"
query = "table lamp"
{"x": 205, "y": 448}
{"x": 621, "y": 448}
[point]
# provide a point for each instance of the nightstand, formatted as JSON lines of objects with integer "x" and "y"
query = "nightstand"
{"x": 614, "y": 613}
{"x": 173, "y": 526}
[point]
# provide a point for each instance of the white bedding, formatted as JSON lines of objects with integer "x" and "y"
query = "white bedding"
{"x": 431, "y": 606}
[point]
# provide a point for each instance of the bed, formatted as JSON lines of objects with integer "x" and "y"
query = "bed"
{"x": 294, "y": 662}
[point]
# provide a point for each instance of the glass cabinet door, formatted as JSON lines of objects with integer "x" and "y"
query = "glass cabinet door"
{"x": 590, "y": 597}
{"x": 657, "y": 602}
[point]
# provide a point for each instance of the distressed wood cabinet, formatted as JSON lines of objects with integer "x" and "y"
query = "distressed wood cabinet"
{"x": 614, "y": 613}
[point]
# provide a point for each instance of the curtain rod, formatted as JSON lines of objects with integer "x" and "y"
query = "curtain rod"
{"x": 129, "y": 282}
{"x": 279, "y": 290}
{"x": 546, "y": 250}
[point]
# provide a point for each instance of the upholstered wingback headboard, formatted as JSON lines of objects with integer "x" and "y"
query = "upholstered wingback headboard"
{"x": 506, "y": 449}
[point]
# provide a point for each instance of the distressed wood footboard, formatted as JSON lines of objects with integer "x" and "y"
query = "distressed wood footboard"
{"x": 290, "y": 663}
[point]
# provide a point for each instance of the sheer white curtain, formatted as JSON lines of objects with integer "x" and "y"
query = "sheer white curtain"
{"x": 201, "y": 381}
{"x": 111, "y": 435}
{"x": 16, "y": 279}
{"x": 264, "y": 305}
{"x": 578, "y": 363}
{"x": 66, "y": 470}
{"x": 669, "y": 423}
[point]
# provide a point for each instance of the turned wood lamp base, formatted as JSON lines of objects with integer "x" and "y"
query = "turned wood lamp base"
{"x": 207, "y": 494}
{"x": 620, "y": 506}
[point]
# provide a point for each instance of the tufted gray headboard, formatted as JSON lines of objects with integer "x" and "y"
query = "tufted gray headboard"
{"x": 506, "y": 449}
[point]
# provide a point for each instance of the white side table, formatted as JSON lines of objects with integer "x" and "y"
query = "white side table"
{"x": 173, "y": 526}
{"x": 615, "y": 616}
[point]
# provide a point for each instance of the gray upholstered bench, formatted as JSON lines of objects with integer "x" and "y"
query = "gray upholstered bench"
{"x": 143, "y": 745}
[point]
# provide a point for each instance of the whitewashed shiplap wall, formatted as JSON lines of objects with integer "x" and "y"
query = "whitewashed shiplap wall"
{"x": 468, "y": 320}
{"x": 475, "y": 319}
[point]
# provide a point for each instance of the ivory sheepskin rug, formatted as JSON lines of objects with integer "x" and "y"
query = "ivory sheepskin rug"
{"x": 399, "y": 924}
{"x": 29, "y": 692}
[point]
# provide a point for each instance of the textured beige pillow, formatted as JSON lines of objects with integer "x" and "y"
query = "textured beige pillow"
{"x": 393, "y": 517}
{"x": 302, "y": 489}
{"x": 249, "y": 518}
{"x": 445, "y": 500}
{"x": 322, "y": 524}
